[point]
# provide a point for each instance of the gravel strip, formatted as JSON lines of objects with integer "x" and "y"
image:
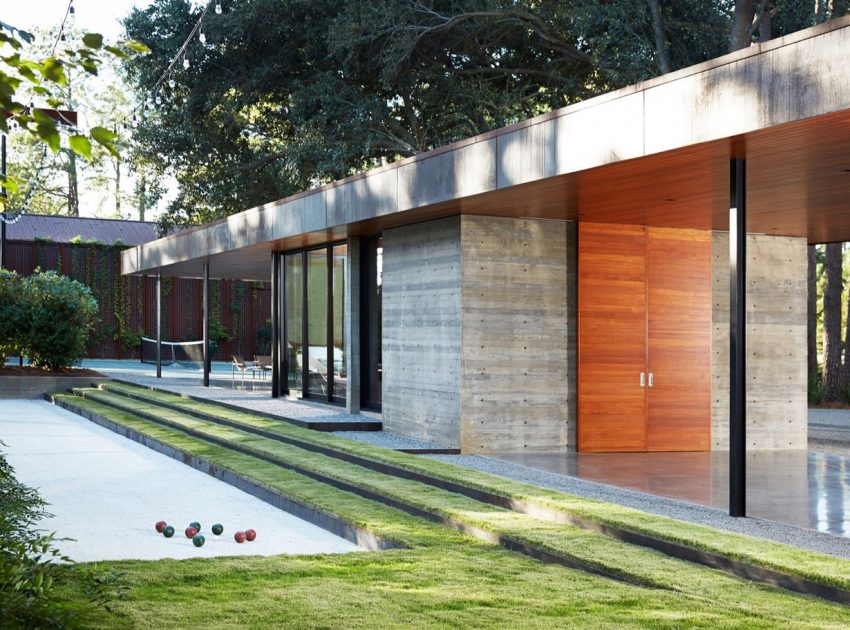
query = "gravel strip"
{"x": 771, "y": 530}
{"x": 387, "y": 440}
{"x": 254, "y": 400}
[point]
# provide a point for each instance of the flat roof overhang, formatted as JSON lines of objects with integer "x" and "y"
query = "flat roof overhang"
{"x": 656, "y": 153}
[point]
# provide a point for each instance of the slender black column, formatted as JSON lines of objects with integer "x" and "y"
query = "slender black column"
{"x": 737, "y": 338}
{"x": 158, "y": 325}
{"x": 275, "y": 325}
{"x": 206, "y": 343}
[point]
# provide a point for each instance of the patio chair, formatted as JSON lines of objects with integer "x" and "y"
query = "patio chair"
{"x": 318, "y": 377}
{"x": 240, "y": 365}
{"x": 263, "y": 364}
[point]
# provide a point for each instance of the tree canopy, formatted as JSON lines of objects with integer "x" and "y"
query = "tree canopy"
{"x": 288, "y": 94}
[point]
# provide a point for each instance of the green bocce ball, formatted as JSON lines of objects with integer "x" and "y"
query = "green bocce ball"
{"x": 168, "y": 531}
{"x": 217, "y": 529}
{"x": 198, "y": 540}
{"x": 196, "y": 525}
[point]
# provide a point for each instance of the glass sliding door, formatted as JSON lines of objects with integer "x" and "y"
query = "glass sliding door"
{"x": 340, "y": 377}
{"x": 317, "y": 371}
{"x": 314, "y": 322}
{"x": 293, "y": 323}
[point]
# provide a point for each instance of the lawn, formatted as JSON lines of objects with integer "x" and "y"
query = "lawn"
{"x": 444, "y": 578}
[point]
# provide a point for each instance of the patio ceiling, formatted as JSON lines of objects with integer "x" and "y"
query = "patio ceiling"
{"x": 653, "y": 154}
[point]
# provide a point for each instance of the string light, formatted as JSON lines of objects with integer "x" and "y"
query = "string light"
{"x": 158, "y": 99}
{"x": 182, "y": 54}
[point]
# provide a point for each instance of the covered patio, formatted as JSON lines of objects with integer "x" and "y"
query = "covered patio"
{"x": 751, "y": 149}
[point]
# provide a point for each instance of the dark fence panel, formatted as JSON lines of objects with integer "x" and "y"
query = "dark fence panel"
{"x": 240, "y": 312}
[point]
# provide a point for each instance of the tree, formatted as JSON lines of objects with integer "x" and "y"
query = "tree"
{"x": 24, "y": 78}
{"x": 833, "y": 287}
{"x": 811, "y": 316}
{"x": 288, "y": 94}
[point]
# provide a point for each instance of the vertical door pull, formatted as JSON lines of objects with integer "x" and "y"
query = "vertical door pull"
{"x": 642, "y": 379}
{"x": 650, "y": 379}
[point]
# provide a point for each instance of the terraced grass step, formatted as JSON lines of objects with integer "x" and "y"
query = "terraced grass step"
{"x": 683, "y": 540}
{"x": 365, "y": 424}
{"x": 476, "y": 584}
{"x": 544, "y": 539}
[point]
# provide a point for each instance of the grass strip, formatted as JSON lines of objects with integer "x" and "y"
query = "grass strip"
{"x": 632, "y": 563}
{"x": 811, "y": 565}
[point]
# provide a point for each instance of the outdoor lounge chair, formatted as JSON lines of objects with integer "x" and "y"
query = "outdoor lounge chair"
{"x": 263, "y": 364}
{"x": 240, "y": 365}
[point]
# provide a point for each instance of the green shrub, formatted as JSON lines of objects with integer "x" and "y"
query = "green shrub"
{"x": 817, "y": 390}
{"x": 32, "y": 569}
{"x": 61, "y": 315}
{"x": 12, "y": 317}
{"x": 28, "y": 558}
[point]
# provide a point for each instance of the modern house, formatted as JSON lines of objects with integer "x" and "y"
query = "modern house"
{"x": 571, "y": 281}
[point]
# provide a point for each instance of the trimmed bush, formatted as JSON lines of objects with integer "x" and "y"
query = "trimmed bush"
{"x": 62, "y": 314}
{"x": 47, "y": 316}
{"x": 13, "y": 319}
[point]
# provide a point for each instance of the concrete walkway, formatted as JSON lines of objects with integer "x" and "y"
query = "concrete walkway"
{"x": 107, "y": 492}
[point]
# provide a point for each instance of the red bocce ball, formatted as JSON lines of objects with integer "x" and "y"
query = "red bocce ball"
{"x": 160, "y": 525}
{"x": 250, "y": 535}
{"x": 191, "y": 532}
{"x": 239, "y": 537}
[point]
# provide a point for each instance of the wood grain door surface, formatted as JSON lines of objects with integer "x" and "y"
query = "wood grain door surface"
{"x": 644, "y": 307}
{"x": 679, "y": 340}
{"x": 612, "y": 337}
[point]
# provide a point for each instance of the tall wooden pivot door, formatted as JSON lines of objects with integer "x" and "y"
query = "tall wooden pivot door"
{"x": 644, "y": 354}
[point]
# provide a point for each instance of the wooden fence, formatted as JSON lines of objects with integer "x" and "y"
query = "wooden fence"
{"x": 239, "y": 310}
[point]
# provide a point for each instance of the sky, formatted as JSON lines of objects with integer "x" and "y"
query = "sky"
{"x": 99, "y": 16}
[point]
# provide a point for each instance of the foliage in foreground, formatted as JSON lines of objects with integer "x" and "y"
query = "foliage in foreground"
{"x": 47, "y": 316}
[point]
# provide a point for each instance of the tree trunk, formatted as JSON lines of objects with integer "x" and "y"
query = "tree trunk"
{"x": 833, "y": 286}
{"x": 143, "y": 197}
{"x": 812, "y": 315}
{"x": 73, "y": 195}
{"x": 117, "y": 164}
{"x": 742, "y": 20}
{"x": 660, "y": 39}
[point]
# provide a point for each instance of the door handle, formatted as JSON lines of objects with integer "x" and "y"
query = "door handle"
{"x": 650, "y": 379}
{"x": 643, "y": 379}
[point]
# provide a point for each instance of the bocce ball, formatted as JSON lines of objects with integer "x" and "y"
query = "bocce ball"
{"x": 217, "y": 529}
{"x": 190, "y": 532}
{"x": 198, "y": 540}
{"x": 196, "y": 525}
{"x": 239, "y": 537}
{"x": 250, "y": 535}
{"x": 160, "y": 525}
{"x": 168, "y": 531}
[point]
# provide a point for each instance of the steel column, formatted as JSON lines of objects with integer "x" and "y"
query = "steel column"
{"x": 158, "y": 324}
{"x": 275, "y": 325}
{"x": 737, "y": 337}
{"x": 206, "y": 324}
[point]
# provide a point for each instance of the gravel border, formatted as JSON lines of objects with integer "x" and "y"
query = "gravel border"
{"x": 681, "y": 510}
{"x": 388, "y": 440}
{"x": 254, "y": 400}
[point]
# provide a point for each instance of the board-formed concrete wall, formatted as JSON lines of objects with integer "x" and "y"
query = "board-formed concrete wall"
{"x": 421, "y": 322}
{"x": 518, "y": 335}
{"x": 479, "y": 333}
{"x": 776, "y": 342}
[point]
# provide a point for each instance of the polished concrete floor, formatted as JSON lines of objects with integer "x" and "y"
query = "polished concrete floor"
{"x": 804, "y": 488}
